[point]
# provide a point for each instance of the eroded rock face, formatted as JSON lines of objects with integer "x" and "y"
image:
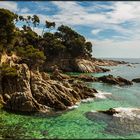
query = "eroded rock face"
{"x": 32, "y": 91}
{"x": 58, "y": 95}
{"x": 137, "y": 80}
{"x": 82, "y": 65}
{"x": 16, "y": 91}
{"x": 114, "y": 80}
{"x": 74, "y": 65}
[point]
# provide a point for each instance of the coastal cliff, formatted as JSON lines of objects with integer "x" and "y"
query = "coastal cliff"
{"x": 74, "y": 65}
{"x": 34, "y": 91}
{"x": 26, "y": 57}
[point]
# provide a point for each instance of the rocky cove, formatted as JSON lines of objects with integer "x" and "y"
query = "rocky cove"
{"x": 44, "y": 94}
{"x": 34, "y": 91}
{"x": 51, "y": 85}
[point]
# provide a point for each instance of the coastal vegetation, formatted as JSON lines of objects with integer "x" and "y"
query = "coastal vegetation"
{"x": 33, "y": 48}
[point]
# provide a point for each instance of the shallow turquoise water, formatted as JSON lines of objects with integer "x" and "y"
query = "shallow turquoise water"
{"x": 74, "y": 124}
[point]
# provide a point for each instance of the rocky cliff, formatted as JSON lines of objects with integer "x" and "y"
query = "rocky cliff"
{"x": 32, "y": 91}
{"x": 74, "y": 65}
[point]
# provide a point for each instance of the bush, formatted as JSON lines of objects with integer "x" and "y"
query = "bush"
{"x": 6, "y": 70}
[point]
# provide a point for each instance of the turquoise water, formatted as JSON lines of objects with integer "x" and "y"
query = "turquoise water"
{"x": 74, "y": 124}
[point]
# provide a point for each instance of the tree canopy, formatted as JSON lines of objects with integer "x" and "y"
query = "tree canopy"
{"x": 62, "y": 42}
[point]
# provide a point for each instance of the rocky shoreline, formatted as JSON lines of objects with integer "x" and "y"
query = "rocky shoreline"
{"x": 109, "y": 79}
{"x": 34, "y": 91}
{"x": 81, "y": 65}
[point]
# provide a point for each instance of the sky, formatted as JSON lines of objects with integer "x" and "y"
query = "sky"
{"x": 113, "y": 27}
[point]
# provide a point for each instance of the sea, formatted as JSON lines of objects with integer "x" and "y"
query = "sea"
{"x": 75, "y": 123}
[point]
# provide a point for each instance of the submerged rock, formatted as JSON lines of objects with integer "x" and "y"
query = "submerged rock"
{"x": 111, "y": 111}
{"x": 114, "y": 80}
{"x": 137, "y": 80}
{"x": 120, "y": 121}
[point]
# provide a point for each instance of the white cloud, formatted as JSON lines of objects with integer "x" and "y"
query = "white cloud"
{"x": 9, "y": 5}
{"x": 95, "y": 31}
{"x": 24, "y": 10}
{"x": 115, "y": 48}
{"x": 124, "y": 44}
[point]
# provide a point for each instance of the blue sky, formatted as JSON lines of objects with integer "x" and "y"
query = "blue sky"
{"x": 112, "y": 27}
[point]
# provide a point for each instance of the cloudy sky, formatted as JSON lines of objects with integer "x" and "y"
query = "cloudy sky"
{"x": 112, "y": 27}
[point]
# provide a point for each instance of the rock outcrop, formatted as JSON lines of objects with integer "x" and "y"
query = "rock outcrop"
{"x": 110, "y": 79}
{"x": 74, "y": 65}
{"x": 16, "y": 91}
{"x": 137, "y": 80}
{"x": 31, "y": 91}
{"x": 82, "y": 65}
{"x": 114, "y": 80}
{"x": 85, "y": 78}
{"x": 104, "y": 62}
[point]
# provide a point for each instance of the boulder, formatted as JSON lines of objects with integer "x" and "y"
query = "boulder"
{"x": 137, "y": 80}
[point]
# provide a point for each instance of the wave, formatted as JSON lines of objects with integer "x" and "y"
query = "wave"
{"x": 130, "y": 113}
{"x": 74, "y": 106}
{"x": 82, "y": 101}
{"x": 87, "y": 100}
{"x": 102, "y": 94}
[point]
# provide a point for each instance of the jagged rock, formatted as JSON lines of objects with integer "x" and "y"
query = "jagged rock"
{"x": 32, "y": 91}
{"x": 58, "y": 75}
{"x": 137, "y": 80}
{"x": 45, "y": 76}
{"x": 114, "y": 80}
{"x": 56, "y": 95}
{"x": 17, "y": 93}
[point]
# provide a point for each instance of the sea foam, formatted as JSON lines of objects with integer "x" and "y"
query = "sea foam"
{"x": 130, "y": 113}
{"x": 102, "y": 94}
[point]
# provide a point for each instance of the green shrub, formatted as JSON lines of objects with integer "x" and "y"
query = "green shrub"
{"x": 6, "y": 70}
